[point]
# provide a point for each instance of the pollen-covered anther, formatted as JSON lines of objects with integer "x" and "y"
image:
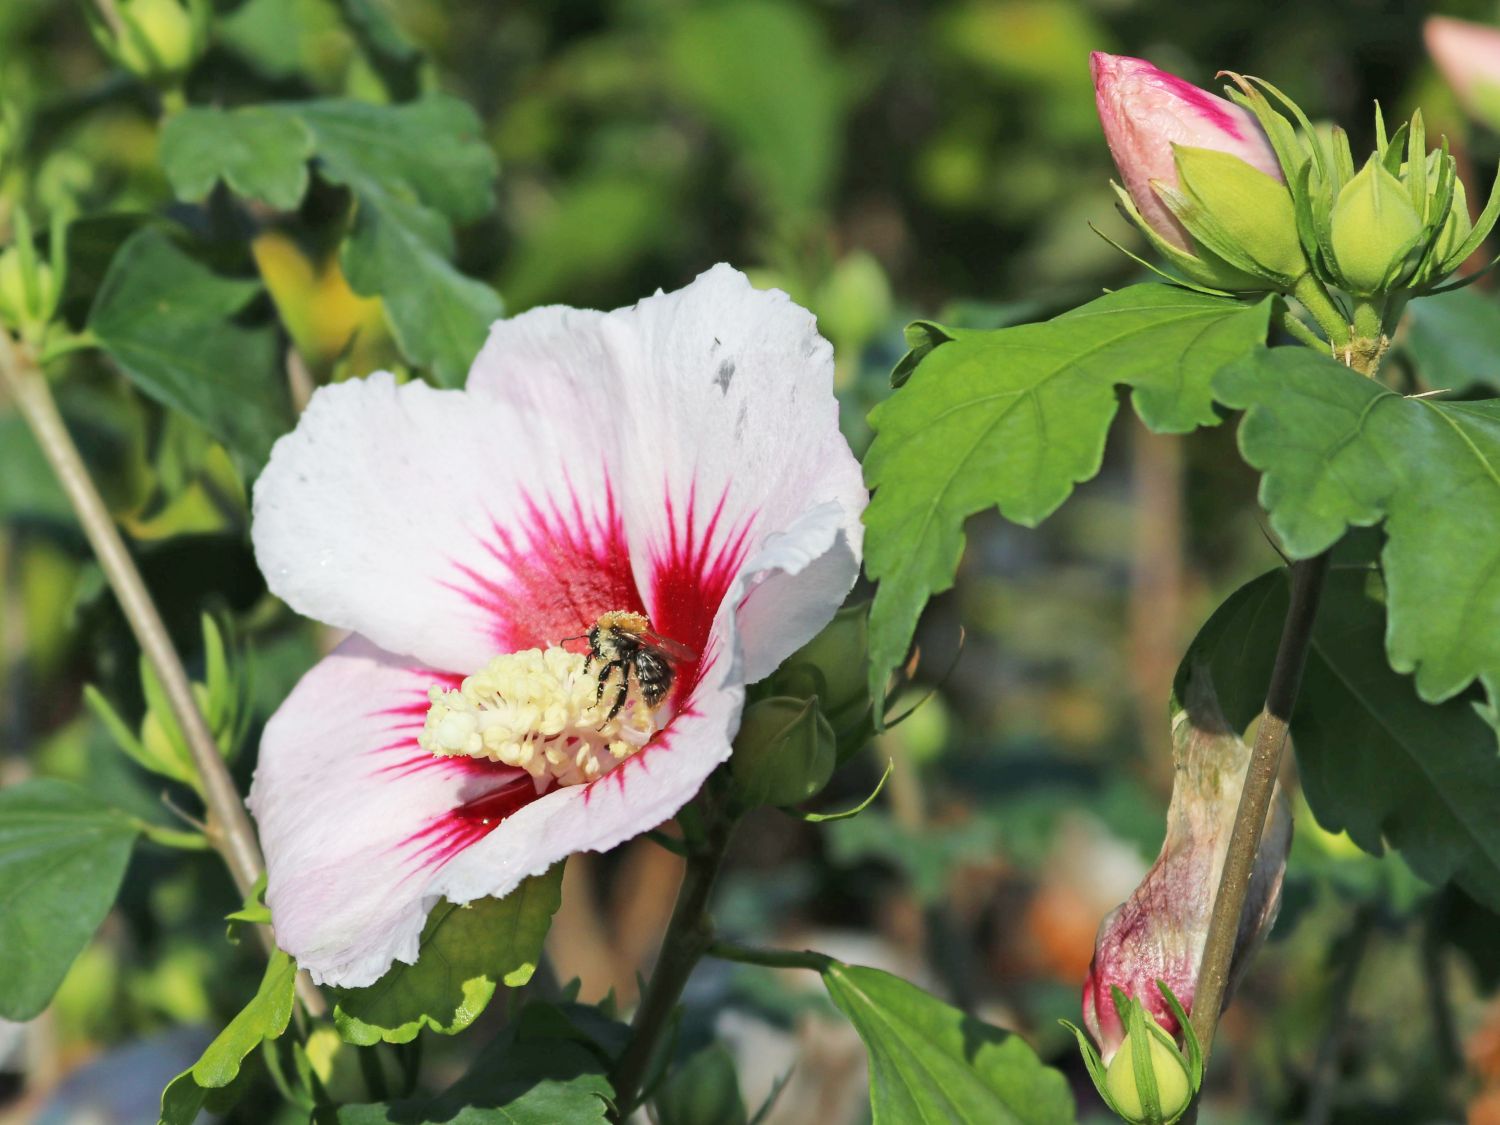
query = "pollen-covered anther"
{"x": 541, "y": 711}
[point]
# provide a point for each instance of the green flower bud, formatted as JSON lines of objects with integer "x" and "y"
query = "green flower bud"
{"x": 1455, "y": 230}
{"x": 29, "y": 288}
{"x": 1374, "y": 228}
{"x": 1174, "y": 1087}
{"x": 1239, "y": 213}
{"x": 784, "y": 753}
{"x": 159, "y": 39}
{"x": 833, "y": 666}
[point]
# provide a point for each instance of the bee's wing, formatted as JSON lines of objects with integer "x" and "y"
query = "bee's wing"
{"x": 675, "y": 651}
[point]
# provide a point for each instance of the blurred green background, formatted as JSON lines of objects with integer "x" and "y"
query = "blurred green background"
{"x": 880, "y": 161}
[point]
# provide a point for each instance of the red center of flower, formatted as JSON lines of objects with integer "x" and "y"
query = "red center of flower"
{"x": 552, "y": 577}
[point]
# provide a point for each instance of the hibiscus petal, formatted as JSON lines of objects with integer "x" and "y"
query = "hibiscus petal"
{"x": 356, "y": 820}
{"x": 713, "y": 407}
{"x": 438, "y": 526}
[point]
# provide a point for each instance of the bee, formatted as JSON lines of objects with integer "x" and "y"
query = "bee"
{"x": 626, "y": 642}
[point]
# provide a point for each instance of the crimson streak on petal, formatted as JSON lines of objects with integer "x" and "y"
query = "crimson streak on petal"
{"x": 554, "y": 575}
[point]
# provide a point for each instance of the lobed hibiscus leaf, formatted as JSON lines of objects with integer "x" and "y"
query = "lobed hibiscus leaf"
{"x": 1455, "y": 340}
{"x": 261, "y": 153}
{"x": 931, "y": 1064}
{"x": 466, "y": 953}
{"x": 1338, "y": 450}
{"x": 540, "y": 1102}
{"x": 170, "y": 323}
{"x": 1375, "y": 759}
{"x": 413, "y": 169}
{"x": 264, "y": 1018}
{"x": 539, "y": 1071}
{"x": 62, "y": 855}
{"x": 1016, "y": 417}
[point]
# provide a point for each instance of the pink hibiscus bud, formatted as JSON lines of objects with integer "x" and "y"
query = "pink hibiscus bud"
{"x": 1201, "y": 180}
{"x": 1468, "y": 55}
{"x": 1159, "y": 932}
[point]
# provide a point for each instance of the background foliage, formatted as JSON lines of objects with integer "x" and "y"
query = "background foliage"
{"x": 880, "y": 161}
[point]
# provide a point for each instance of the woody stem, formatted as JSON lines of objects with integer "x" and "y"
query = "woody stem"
{"x": 688, "y": 937}
{"x": 227, "y": 825}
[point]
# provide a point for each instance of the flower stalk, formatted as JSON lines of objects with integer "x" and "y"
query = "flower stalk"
{"x": 689, "y": 936}
{"x": 227, "y": 825}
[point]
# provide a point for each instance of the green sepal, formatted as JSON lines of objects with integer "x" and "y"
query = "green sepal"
{"x": 1479, "y": 231}
{"x": 1091, "y": 1060}
{"x": 1190, "y": 1042}
{"x": 1134, "y": 1017}
{"x": 1216, "y": 275}
{"x": 847, "y": 814}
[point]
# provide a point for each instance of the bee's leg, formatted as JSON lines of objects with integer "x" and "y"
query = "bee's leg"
{"x": 624, "y": 694}
{"x": 605, "y": 672}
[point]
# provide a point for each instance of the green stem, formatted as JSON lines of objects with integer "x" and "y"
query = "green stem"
{"x": 1295, "y": 326}
{"x": 228, "y": 826}
{"x": 1322, "y": 308}
{"x": 771, "y": 958}
{"x": 689, "y": 936}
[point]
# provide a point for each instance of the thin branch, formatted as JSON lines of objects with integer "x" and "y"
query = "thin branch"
{"x": 227, "y": 825}
{"x": 689, "y": 936}
{"x": 771, "y": 958}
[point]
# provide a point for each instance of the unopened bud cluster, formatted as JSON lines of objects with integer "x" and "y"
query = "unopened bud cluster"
{"x": 1246, "y": 195}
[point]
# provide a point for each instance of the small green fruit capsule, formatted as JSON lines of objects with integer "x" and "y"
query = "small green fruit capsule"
{"x": 1173, "y": 1085}
{"x": 784, "y": 752}
{"x": 1374, "y": 228}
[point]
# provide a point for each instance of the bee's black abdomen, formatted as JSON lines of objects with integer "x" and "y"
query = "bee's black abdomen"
{"x": 654, "y": 673}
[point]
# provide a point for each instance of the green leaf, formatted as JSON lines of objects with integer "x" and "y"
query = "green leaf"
{"x": 705, "y": 1088}
{"x": 466, "y": 953}
{"x": 1376, "y": 761}
{"x": 1455, "y": 339}
{"x": 930, "y": 1063}
{"x": 264, "y": 1018}
{"x": 62, "y": 856}
{"x": 1338, "y": 450}
{"x": 1016, "y": 417}
{"x": 412, "y": 168}
{"x": 543, "y": 1102}
{"x": 167, "y": 320}
{"x": 260, "y": 152}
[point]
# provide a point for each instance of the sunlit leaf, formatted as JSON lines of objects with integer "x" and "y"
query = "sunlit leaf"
{"x": 1338, "y": 450}
{"x": 264, "y": 1018}
{"x": 466, "y": 953}
{"x": 931, "y": 1065}
{"x": 1015, "y": 418}
{"x": 62, "y": 856}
